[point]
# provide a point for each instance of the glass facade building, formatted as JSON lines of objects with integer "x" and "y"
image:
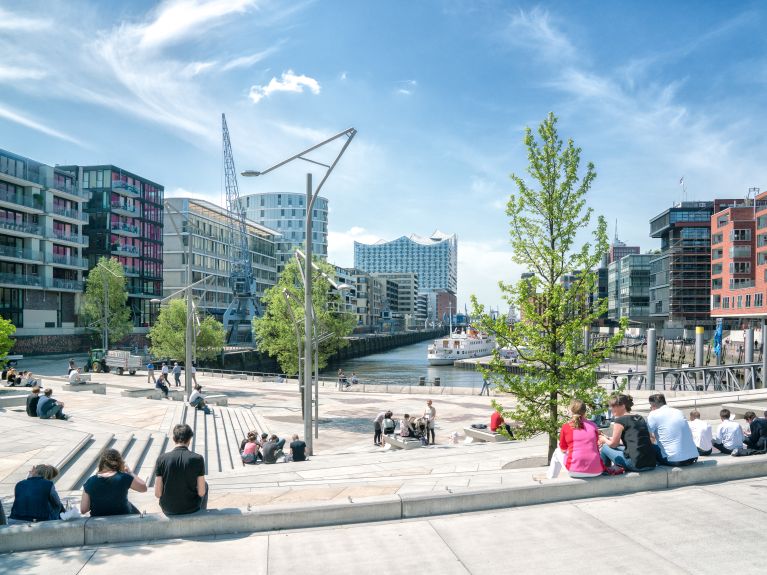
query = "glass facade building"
{"x": 42, "y": 246}
{"x": 125, "y": 222}
{"x": 286, "y": 214}
{"x": 212, "y": 230}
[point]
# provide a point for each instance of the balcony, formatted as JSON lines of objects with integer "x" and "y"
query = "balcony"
{"x": 70, "y": 190}
{"x": 125, "y": 250}
{"x": 20, "y": 254}
{"x": 25, "y": 229}
{"x": 72, "y": 285}
{"x": 21, "y": 200}
{"x": 126, "y": 190}
{"x": 65, "y": 260}
{"x": 16, "y": 279}
{"x": 124, "y": 209}
{"x": 125, "y": 230}
{"x": 132, "y": 271}
{"x": 71, "y": 214}
{"x": 72, "y": 238}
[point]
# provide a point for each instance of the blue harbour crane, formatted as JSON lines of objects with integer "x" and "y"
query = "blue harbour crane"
{"x": 238, "y": 318}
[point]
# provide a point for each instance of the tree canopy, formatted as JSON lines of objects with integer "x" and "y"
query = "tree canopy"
{"x": 7, "y": 329}
{"x": 111, "y": 272}
{"x": 558, "y": 303}
{"x": 276, "y": 331}
{"x": 168, "y": 334}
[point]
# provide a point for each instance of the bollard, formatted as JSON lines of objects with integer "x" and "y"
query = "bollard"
{"x": 421, "y": 381}
{"x": 436, "y": 382}
{"x": 651, "y": 358}
{"x": 699, "y": 346}
{"x": 749, "y": 343}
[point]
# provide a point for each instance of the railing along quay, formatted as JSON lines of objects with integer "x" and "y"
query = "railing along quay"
{"x": 732, "y": 377}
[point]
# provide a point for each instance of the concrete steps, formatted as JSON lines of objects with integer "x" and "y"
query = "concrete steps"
{"x": 86, "y": 461}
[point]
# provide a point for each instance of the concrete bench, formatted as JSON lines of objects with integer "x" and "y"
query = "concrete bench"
{"x": 485, "y": 435}
{"x": 8, "y": 400}
{"x": 99, "y": 388}
{"x": 218, "y": 399}
{"x": 153, "y": 393}
{"x": 398, "y": 442}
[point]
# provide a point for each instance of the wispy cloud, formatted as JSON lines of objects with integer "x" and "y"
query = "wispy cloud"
{"x": 10, "y": 21}
{"x": 289, "y": 82}
{"x": 406, "y": 87}
{"x": 250, "y": 60}
{"x": 536, "y": 28}
{"x": 28, "y": 122}
{"x": 341, "y": 244}
{"x": 10, "y": 73}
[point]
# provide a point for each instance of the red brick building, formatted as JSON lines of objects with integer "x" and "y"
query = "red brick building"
{"x": 739, "y": 260}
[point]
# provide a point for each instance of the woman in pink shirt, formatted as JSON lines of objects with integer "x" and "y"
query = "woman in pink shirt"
{"x": 578, "y": 446}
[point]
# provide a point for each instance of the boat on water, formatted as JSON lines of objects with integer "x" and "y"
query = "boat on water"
{"x": 463, "y": 344}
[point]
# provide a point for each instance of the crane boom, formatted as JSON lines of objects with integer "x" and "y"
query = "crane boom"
{"x": 243, "y": 308}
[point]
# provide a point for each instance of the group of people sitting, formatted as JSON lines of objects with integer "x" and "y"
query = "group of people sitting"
{"x": 421, "y": 428}
{"x": 179, "y": 485}
{"x": 270, "y": 449}
{"x": 639, "y": 444}
{"x": 45, "y": 406}
{"x": 346, "y": 382}
{"x": 14, "y": 378}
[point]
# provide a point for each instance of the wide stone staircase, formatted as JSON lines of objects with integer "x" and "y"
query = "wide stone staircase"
{"x": 217, "y": 437}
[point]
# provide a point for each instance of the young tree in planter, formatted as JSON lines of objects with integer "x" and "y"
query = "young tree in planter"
{"x": 168, "y": 334}
{"x": 558, "y": 303}
{"x": 108, "y": 271}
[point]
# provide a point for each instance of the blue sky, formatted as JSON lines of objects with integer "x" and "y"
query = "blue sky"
{"x": 440, "y": 92}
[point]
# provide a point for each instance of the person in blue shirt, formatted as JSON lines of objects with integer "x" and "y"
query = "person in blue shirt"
{"x": 35, "y": 498}
{"x": 674, "y": 444}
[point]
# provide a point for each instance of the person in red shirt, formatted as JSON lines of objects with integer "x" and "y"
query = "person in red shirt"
{"x": 496, "y": 421}
{"x": 578, "y": 446}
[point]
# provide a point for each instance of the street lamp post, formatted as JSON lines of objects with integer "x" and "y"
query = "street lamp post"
{"x": 311, "y": 196}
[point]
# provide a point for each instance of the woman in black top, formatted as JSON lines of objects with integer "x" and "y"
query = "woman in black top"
{"x": 106, "y": 493}
{"x": 636, "y": 453}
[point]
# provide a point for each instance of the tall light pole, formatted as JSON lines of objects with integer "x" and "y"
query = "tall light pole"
{"x": 311, "y": 196}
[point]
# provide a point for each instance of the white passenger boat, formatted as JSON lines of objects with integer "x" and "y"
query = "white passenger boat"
{"x": 463, "y": 345}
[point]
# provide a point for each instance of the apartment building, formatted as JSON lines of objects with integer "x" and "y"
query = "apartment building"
{"x": 212, "y": 230}
{"x": 41, "y": 247}
{"x": 629, "y": 289}
{"x": 286, "y": 214}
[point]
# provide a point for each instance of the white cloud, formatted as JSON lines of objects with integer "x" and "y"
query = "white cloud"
{"x": 180, "y": 192}
{"x": 15, "y": 23}
{"x": 248, "y": 61}
{"x": 481, "y": 265}
{"x": 289, "y": 82}
{"x": 178, "y": 19}
{"x": 407, "y": 87}
{"x": 535, "y": 27}
{"x": 22, "y": 120}
{"x": 13, "y": 73}
{"x": 343, "y": 76}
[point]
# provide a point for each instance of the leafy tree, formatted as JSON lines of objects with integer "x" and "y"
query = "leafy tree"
{"x": 7, "y": 329}
{"x": 558, "y": 303}
{"x": 168, "y": 334}
{"x": 111, "y": 272}
{"x": 275, "y": 331}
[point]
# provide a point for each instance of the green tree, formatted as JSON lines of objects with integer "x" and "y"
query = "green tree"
{"x": 7, "y": 329}
{"x": 168, "y": 334}
{"x": 110, "y": 272}
{"x": 558, "y": 303}
{"x": 276, "y": 331}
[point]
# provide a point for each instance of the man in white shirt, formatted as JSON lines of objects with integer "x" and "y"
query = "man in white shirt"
{"x": 729, "y": 436}
{"x": 701, "y": 433}
{"x": 674, "y": 445}
{"x": 197, "y": 400}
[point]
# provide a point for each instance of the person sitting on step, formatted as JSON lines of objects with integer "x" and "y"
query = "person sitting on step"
{"x": 701, "y": 433}
{"x": 249, "y": 450}
{"x": 729, "y": 435}
{"x": 106, "y": 493}
{"x": 197, "y": 399}
{"x": 756, "y": 436}
{"x": 32, "y": 400}
{"x": 35, "y": 498}
{"x": 48, "y": 407}
{"x": 406, "y": 426}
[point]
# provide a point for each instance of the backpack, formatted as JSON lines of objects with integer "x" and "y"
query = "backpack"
{"x": 388, "y": 425}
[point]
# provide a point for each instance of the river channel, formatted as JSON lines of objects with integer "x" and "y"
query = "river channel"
{"x": 404, "y": 366}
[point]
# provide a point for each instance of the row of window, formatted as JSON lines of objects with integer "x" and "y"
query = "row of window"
{"x": 738, "y": 302}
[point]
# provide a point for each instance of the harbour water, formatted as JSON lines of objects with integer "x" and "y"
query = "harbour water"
{"x": 404, "y": 366}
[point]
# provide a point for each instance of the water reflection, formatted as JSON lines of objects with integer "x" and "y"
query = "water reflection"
{"x": 403, "y": 366}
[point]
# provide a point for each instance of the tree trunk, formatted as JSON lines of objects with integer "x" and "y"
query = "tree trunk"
{"x": 553, "y": 414}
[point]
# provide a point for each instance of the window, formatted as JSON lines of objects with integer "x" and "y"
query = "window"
{"x": 740, "y": 252}
{"x": 726, "y": 303}
{"x": 741, "y": 235}
{"x": 722, "y": 220}
{"x": 717, "y": 239}
{"x": 716, "y": 269}
{"x": 758, "y": 300}
{"x": 748, "y": 300}
{"x": 716, "y": 254}
{"x": 740, "y": 301}
{"x": 740, "y": 267}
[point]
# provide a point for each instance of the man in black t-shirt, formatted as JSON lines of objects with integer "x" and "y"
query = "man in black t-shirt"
{"x": 180, "y": 476}
{"x": 297, "y": 449}
{"x": 32, "y": 400}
